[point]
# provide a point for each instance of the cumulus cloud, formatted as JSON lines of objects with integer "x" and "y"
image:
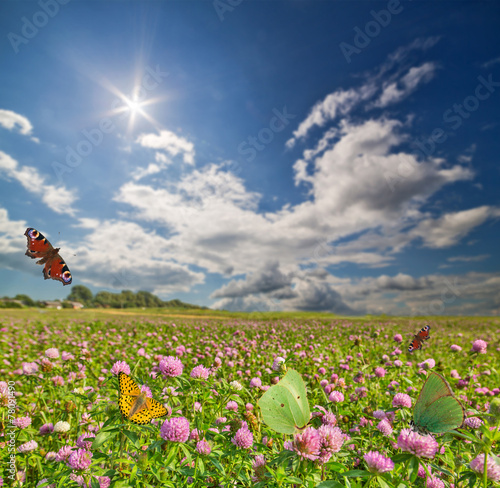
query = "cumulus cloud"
{"x": 337, "y": 103}
{"x": 11, "y": 120}
{"x": 396, "y": 91}
{"x": 470, "y": 293}
{"x": 13, "y": 244}
{"x": 450, "y": 228}
{"x": 263, "y": 281}
{"x": 170, "y": 143}
{"x": 121, "y": 254}
{"x": 468, "y": 259}
{"x": 57, "y": 198}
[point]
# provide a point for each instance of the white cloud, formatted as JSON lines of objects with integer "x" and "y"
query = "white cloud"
{"x": 396, "y": 91}
{"x": 339, "y": 102}
{"x": 123, "y": 255}
{"x": 342, "y": 102}
{"x": 169, "y": 142}
{"x": 265, "y": 280}
{"x": 140, "y": 173}
{"x": 471, "y": 293}
{"x": 13, "y": 244}
{"x": 468, "y": 259}
{"x": 11, "y": 120}
{"x": 214, "y": 223}
{"x": 11, "y": 233}
{"x": 57, "y": 198}
{"x": 153, "y": 168}
{"x": 450, "y": 228}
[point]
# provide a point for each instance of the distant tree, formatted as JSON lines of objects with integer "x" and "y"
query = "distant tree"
{"x": 25, "y": 299}
{"x": 66, "y": 304}
{"x": 10, "y": 305}
{"x": 80, "y": 293}
{"x": 103, "y": 298}
{"x": 125, "y": 299}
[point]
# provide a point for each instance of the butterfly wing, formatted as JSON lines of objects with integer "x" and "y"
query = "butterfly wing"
{"x": 129, "y": 391}
{"x": 156, "y": 409}
{"x": 419, "y": 338}
{"x": 437, "y": 410}
{"x": 127, "y": 385}
{"x": 415, "y": 344}
{"x": 284, "y": 406}
{"x": 125, "y": 403}
{"x": 56, "y": 269}
{"x": 142, "y": 417}
{"x": 38, "y": 245}
{"x": 423, "y": 333}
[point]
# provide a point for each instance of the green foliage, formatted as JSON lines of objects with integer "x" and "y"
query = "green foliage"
{"x": 82, "y": 294}
{"x": 25, "y": 299}
{"x": 328, "y": 353}
{"x": 104, "y": 299}
{"x": 10, "y": 304}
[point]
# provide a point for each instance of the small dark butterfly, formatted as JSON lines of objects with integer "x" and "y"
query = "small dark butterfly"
{"x": 419, "y": 338}
{"x": 39, "y": 247}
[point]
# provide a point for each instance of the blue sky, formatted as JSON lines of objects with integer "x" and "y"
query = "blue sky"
{"x": 295, "y": 155}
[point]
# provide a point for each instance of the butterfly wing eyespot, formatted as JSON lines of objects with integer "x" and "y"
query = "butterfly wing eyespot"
{"x": 419, "y": 338}
{"x": 37, "y": 245}
{"x": 32, "y": 233}
{"x": 57, "y": 269}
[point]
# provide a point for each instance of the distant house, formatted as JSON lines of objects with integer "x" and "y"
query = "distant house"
{"x": 77, "y": 305}
{"x": 57, "y": 305}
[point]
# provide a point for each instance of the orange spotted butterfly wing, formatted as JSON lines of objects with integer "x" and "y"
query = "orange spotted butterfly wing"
{"x": 39, "y": 247}
{"x": 419, "y": 338}
{"x": 135, "y": 405}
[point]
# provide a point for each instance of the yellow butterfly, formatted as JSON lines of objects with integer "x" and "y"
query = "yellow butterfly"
{"x": 135, "y": 405}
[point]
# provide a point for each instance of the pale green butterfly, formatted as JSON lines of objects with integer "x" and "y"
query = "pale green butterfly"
{"x": 437, "y": 410}
{"x": 284, "y": 406}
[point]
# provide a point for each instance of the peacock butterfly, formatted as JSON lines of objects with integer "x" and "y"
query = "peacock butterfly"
{"x": 39, "y": 247}
{"x": 418, "y": 339}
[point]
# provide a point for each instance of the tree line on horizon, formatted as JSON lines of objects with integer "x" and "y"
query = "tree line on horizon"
{"x": 102, "y": 299}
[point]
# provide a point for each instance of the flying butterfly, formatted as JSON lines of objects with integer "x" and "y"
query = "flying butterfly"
{"x": 135, "y": 405}
{"x": 437, "y": 410}
{"x": 418, "y": 339}
{"x": 39, "y": 247}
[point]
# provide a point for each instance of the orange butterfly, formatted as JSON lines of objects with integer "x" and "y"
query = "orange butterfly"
{"x": 40, "y": 247}
{"x": 135, "y": 405}
{"x": 419, "y": 338}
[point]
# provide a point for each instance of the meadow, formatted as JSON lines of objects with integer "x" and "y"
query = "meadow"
{"x": 62, "y": 426}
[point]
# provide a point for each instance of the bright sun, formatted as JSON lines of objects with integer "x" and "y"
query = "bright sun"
{"x": 133, "y": 106}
